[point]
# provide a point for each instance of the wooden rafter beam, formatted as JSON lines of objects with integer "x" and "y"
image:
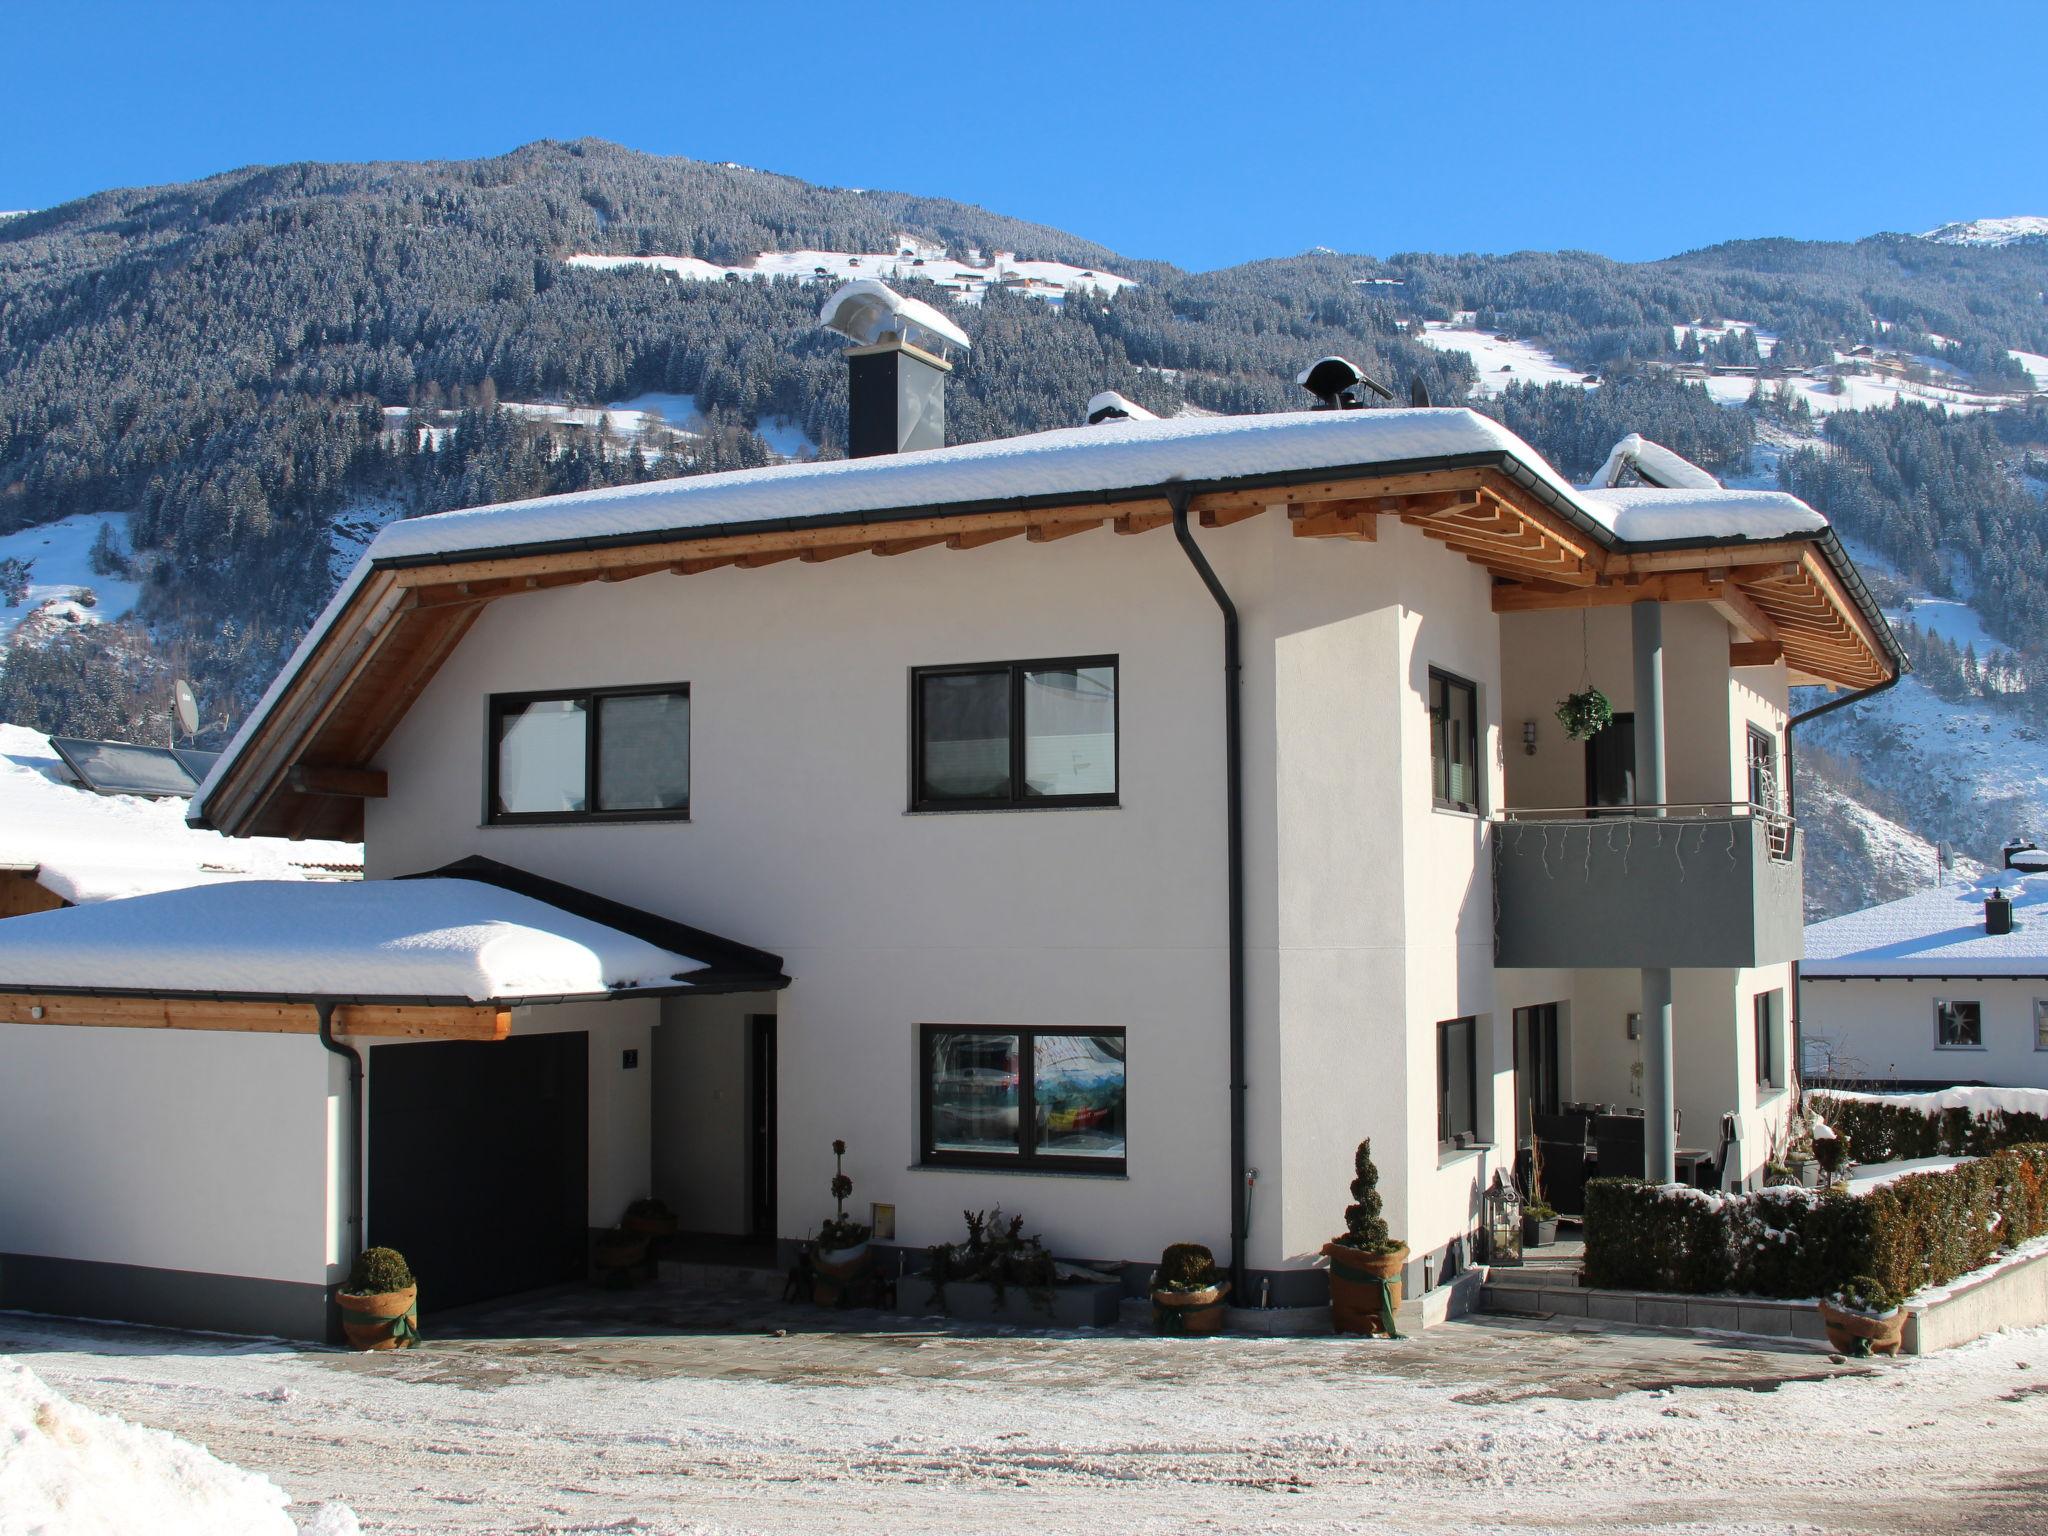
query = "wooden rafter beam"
{"x": 985, "y": 536}
{"x": 1224, "y": 517}
{"x": 1045, "y": 533}
{"x": 1742, "y": 614}
{"x": 339, "y": 779}
{"x": 1334, "y": 520}
{"x": 1676, "y": 587}
{"x": 820, "y": 553}
{"x": 1754, "y": 653}
{"x": 476, "y": 1021}
{"x": 905, "y": 546}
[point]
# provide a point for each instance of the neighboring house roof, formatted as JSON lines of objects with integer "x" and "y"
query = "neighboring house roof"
{"x": 1459, "y": 477}
{"x": 434, "y": 940}
{"x": 1936, "y": 933}
{"x": 87, "y": 847}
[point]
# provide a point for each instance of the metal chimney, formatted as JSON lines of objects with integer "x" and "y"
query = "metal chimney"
{"x": 1997, "y": 912}
{"x": 896, "y": 369}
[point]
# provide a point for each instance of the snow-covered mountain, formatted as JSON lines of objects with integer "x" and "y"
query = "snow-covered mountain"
{"x": 2026, "y": 226}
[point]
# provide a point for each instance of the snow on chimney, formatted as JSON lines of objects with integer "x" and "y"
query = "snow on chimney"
{"x": 896, "y": 369}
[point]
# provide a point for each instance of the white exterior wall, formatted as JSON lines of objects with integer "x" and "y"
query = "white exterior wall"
{"x": 1885, "y": 1029}
{"x": 172, "y": 1149}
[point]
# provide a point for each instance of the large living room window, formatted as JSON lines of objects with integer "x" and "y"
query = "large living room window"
{"x": 1457, "y": 1082}
{"x": 1048, "y": 1099}
{"x": 600, "y": 754}
{"x": 1958, "y": 1026}
{"x": 1014, "y": 735}
{"x": 1453, "y": 742}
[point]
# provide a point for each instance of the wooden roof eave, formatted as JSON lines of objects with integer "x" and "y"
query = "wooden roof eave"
{"x": 387, "y": 1021}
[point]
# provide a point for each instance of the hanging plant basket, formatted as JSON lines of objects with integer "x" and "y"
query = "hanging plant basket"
{"x": 1585, "y": 715}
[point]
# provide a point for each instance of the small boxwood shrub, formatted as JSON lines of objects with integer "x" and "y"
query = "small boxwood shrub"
{"x": 378, "y": 1272}
{"x": 1884, "y": 1132}
{"x": 1921, "y": 1230}
{"x": 1186, "y": 1267}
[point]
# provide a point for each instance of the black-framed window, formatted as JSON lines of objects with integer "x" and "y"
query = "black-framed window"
{"x": 1958, "y": 1026}
{"x": 1768, "y": 1009}
{"x": 994, "y": 1097}
{"x": 1763, "y": 769}
{"x": 591, "y": 754}
{"x": 1014, "y": 735}
{"x": 1457, "y": 1081}
{"x": 1453, "y": 742}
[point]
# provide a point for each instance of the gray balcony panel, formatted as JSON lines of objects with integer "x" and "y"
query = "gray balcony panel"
{"x": 1627, "y": 891}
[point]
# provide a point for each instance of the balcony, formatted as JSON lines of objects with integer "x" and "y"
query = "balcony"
{"x": 1700, "y": 885}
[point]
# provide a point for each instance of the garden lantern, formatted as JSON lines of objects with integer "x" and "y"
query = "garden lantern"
{"x": 1503, "y": 1222}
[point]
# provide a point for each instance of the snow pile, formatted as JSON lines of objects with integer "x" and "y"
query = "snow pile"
{"x": 59, "y": 556}
{"x": 88, "y": 847}
{"x": 68, "y": 1471}
{"x": 1654, "y": 464}
{"x": 2025, "y": 226}
{"x": 1648, "y": 514}
{"x": 391, "y": 939}
{"x": 1978, "y": 1101}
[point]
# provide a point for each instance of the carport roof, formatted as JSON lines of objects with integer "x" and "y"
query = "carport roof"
{"x": 443, "y": 953}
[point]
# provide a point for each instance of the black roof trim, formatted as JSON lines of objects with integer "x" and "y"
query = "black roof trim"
{"x": 729, "y": 966}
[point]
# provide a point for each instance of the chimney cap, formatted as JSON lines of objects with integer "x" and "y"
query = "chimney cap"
{"x": 1335, "y": 381}
{"x": 1111, "y": 406}
{"x": 867, "y": 311}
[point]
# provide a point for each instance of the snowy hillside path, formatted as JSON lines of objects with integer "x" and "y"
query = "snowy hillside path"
{"x": 1484, "y": 1425}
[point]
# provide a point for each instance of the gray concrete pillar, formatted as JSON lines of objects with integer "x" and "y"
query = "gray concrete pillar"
{"x": 1647, "y": 624}
{"x": 1660, "y": 1096}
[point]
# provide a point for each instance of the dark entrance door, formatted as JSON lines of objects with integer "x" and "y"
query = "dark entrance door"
{"x": 1536, "y": 1089}
{"x": 1611, "y": 764}
{"x": 761, "y": 1125}
{"x": 479, "y": 1163}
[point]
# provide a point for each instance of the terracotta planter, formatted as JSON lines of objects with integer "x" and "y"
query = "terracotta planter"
{"x": 1856, "y": 1333}
{"x": 387, "y": 1320}
{"x": 617, "y": 1253}
{"x": 1175, "y": 1312}
{"x": 1538, "y": 1234}
{"x": 837, "y": 1273}
{"x": 1358, "y": 1301}
{"x": 651, "y": 1226}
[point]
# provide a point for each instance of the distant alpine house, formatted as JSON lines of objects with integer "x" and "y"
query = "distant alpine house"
{"x": 1117, "y": 824}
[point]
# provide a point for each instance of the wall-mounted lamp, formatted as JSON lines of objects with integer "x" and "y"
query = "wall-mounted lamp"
{"x": 1529, "y": 737}
{"x": 1635, "y": 1026}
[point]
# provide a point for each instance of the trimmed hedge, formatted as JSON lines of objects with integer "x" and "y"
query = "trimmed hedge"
{"x": 1890, "y": 1133}
{"x": 1920, "y": 1230}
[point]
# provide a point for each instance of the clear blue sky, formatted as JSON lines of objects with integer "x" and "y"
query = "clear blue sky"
{"x": 1200, "y": 133}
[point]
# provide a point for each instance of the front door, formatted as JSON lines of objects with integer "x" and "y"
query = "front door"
{"x": 761, "y": 1125}
{"x": 1611, "y": 764}
{"x": 1536, "y": 1064}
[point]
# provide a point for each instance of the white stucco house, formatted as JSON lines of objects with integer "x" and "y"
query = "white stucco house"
{"x": 1945, "y": 987}
{"x": 1113, "y": 824}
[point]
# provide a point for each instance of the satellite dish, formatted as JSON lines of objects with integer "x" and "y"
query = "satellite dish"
{"x": 1111, "y": 406}
{"x": 188, "y": 707}
{"x": 868, "y": 311}
{"x": 1336, "y": 381}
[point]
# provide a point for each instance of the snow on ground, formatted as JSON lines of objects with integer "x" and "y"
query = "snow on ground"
{"x": 1490, "y": 1427}
{"x": 61, "y": 552}
{"x": 354, "y": 526}
{"x": 91, "y": 847}
{"x": 71, "y": 1471}
{"x": 967, "y": 282}
{"x": 653, "y": 420}
{"x": 2033, "y": 362}
{"x": 1869, "y": 1176}
{"x": 1500, "y": 362}
{"x": 1766, "y": 341}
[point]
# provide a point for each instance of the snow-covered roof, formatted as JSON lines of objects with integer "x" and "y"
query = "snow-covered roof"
{"x": 87, "y": 847}
{"x": 1654, "y": 464}
{"x": 434, "y": 938}
{"x": 1647, "y": 514}
{"x": 1937, "y": 932}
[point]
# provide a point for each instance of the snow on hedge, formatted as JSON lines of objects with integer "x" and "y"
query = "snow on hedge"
{"x": 1978, "y": 1101}
{"x": 69, "y": 1471}
{"x": 432, "y": 938}
{"x": 88, "y": 847}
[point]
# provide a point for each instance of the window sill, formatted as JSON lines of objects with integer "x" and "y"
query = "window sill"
{"x": 1962, "y": 1047}
{"x": 622, "y": 819}
{"x": 1445, "y": 807}
{"x": 1446, "y": 1156}
{"x": 1765, "y": 1092}
{"x": 1007, "y": 810}
{"x": 1021, "y": 1173}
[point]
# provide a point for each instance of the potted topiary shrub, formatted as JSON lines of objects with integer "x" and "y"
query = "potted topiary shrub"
{"x": 1187, "y": 1293}
{"x": 842, "y": 1260}
{"x": 1365, "y": 1263}
{"x": 1830, "y": 1150}
{"x": 1863, "y": 1318}
{"x": 380, "y": 1305}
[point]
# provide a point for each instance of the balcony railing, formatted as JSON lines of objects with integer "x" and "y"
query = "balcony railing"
{"x": 1681, "y": 885}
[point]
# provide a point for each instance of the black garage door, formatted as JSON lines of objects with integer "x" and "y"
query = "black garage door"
{"x": 479, "y": 1158}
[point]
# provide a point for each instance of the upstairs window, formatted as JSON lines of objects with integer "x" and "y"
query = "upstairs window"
{"x": 1958, "y": 1026}
{"x": 1453, "y": 742}
{"x": 617, "y": 754}
{"x": 1014, "y": 735}
{"x": 1769, "y": 1009}
{"x": 1763, "y": 770}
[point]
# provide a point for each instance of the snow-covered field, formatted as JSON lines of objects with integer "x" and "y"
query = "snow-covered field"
{"x": 62, "y": 566}
{"x": 1489, "y": 1427}
{"x": 968, "y": 282}
{"x": 1500, "y": 363}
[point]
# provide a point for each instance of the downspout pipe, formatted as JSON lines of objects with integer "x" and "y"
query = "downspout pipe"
{"x": 352, "y": 1139}
{"x": 1798, "y": 1041}
{"x": 1233, "y": 771}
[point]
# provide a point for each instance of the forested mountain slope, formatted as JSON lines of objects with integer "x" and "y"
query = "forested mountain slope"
{"x": 258, "y": 368}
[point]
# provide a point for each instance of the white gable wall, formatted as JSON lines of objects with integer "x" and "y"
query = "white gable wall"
{"x": 1883, "y": 1030}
